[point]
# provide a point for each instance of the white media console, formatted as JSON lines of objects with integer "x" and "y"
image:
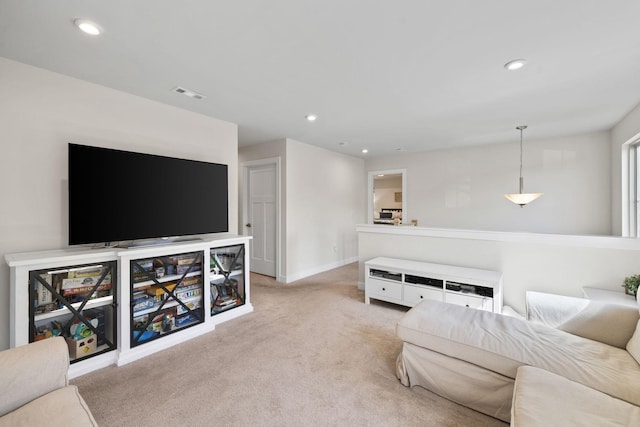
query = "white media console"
{"x": 407, "y": 283}
{"x": 140, "y": 300}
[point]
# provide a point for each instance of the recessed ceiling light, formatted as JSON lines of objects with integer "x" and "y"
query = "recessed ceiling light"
{"x": 88, "y": 27}
{"x": 516, "y": 64}
{"x": 311, "y": 117}
{"x": 365, "y": 151}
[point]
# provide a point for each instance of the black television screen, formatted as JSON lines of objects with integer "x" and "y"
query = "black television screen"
{"x": 117, "y": 195}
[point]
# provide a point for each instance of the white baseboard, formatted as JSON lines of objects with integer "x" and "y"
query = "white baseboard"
{"x": 92, "y": 363}
{"x": 317, "y": 270}
{"x": 128, "y": 356}
{"x": 225, "y": 316}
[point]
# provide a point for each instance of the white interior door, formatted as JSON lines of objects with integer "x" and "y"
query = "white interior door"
{"x": 262, "y": 216}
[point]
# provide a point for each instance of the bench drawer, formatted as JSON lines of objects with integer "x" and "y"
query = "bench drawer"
{"x": 477, "y": 302}
{"x": 415, "y": 294}
{"x": 384, "y": 289}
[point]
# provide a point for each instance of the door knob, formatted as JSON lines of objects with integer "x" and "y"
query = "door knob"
{"x": 248, "y": 225}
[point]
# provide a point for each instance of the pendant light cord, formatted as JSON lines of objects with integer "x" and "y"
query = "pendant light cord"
{"x": 521, "y": 128}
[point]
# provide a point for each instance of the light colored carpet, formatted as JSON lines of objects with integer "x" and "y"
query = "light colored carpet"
{"x": 312, "y": 353}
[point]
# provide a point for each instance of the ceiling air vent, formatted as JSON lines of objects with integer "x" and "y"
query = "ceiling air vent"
{"x": 189, "y": 93}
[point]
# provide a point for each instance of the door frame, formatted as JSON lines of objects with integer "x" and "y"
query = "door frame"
{"x": 246, "y": 166}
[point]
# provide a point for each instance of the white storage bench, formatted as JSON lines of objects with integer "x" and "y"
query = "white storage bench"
{"x": 407, "y": 283}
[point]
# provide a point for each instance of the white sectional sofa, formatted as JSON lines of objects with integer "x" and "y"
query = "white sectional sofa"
{"x": 472, "y": 357}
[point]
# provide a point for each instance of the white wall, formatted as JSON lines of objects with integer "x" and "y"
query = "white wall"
{"x": 325, "y": 201}
{"x": 268, "y": 150}
{"x": 41, "y": 111}
{"x": 321, "y": 202}
{"x": 626, "y": 130}
{"x": 463, "y": 188}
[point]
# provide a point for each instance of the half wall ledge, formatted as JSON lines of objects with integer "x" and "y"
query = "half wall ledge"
{"x": 603, "y": 242}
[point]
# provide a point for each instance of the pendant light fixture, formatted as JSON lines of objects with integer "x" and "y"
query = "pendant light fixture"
{"x": 522, "y": 198}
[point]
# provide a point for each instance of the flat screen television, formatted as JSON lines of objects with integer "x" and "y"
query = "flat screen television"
{"x": 117, "y": 196}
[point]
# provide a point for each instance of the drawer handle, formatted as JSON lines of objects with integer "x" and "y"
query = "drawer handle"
{"x": 421, "y": 297}
{"x": 384, "y": 289}
{"x": 467, "y": 305}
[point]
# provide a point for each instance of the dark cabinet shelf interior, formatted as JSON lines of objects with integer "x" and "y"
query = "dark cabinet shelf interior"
{"x": 166, "y": 295}
{"x": 77, "y": 303}
{"x": 227, "y": 282}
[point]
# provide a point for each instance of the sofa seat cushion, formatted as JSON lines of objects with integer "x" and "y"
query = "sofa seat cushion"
{"x": 542, "y": 399}
{"x": 62, "y": 407}
{"x": 502, "y": 344}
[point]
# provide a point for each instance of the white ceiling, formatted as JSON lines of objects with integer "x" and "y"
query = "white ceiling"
{"x": 385, "y": 75}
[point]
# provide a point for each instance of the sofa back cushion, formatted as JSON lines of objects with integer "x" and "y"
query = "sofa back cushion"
{"x": 602, "y": 321}
{"x": 607, "y": 323}
{"x": 31, "y": 371}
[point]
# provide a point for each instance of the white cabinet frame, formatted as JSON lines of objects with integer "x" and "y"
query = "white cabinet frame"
{"x": 21, "y": 264}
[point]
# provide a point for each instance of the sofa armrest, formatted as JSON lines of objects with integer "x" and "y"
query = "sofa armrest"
{"x": 601, "y": 321}
{"x": 30, "y": 371}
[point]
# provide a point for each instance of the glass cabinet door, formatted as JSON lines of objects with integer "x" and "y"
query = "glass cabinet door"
{"x": 227, "y": 278}
{"x": 166, "y": 295}
{"x": 77, "y": 303}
